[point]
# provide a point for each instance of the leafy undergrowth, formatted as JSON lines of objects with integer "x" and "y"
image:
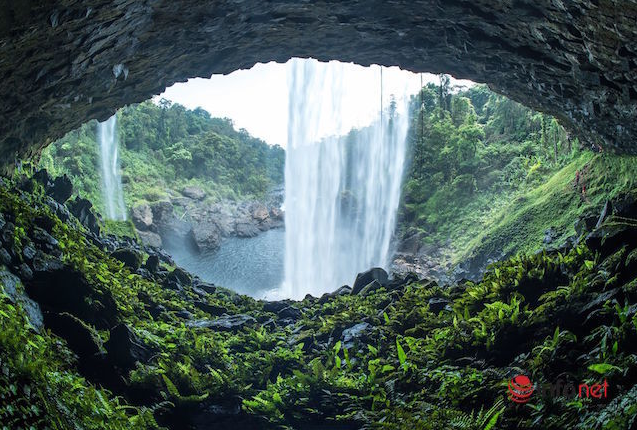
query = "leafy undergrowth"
{"x": 408, "y": 355}
{"x": 519, "y": 223}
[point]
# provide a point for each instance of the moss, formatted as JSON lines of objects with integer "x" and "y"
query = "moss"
{"x": 413, "y": 368}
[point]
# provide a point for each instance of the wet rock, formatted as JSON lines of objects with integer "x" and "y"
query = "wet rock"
{"x": 43, "y": 238}
{"x": 550, "y": 234}
{"x": 180, "y": 276}
{"x": 437, "y": 304}
{"x": 59, "y": 288}
{"x": 205, "y": 286}
{"x": 225, "y": 322}
{"x": 290, "y": 312}
{"x": 142, "y": 217}
{"x": 184, "y": 314}
{"x": 365, "y": 278}
{"x": 156, "y": 311}
{"x": 369, "y": 288}
{"x": 60, "y": 189}
{"x": 12, "y": 288}
{"x": 275, "y": 306}
{"x": 149, "y": 238}
{"x": 2, "y": 221}
{"x": 125, "y": 348}
{"x": 8, "y": 233}
{"x": 152, "y": 264}
{"x": 585, "y": 224}
{"x": 194, "y": 193}
{"x": 246, "y": 229}
{"x": 81, "y": 338}
{"x": 213, "y": 310}
{"x": 131, "y": 258}
{"x": 82, "y": 210}
{"x": 25, "y": 272}
{"x": 28, "y": 252}
{"x": 610, "y": 236}
{"x": 344, "y": 290}
{"x": 5, "y": 257}
{"x": 355, "y": 335}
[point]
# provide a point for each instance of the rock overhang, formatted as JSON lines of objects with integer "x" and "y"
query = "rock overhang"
{"x": 64, "y": 63}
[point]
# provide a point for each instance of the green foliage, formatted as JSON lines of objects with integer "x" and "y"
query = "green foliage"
{"x": 167, "y": 147}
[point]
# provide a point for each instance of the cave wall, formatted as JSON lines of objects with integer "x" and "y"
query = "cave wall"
{"x": 64, "y": 62}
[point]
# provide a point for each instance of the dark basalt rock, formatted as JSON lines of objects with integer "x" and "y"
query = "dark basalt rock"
{"x": 80, "y": 338}
{"x": 5, "y": 257}
{"x": 82, "y": 209}
{"x": 152, "y": 264}
{"x": 61, "y": 189}
{"x": 365, "y": 278}
{"x": 225, "y": 323}
{"x": 562, "y": 60}
{"x": 180, "y": 276}
{"x": 344, "y": 290}
{"x": 129, "y": 257}
{"x": 437, "y": 304}
{"x": 125, "y": 348}
{"x": 213, "y": 310}
{"x": 290, "y": 312}
{"x": 59, "y": 288}
{"x": 12, "y": 288}
{"x": 275, "y": 306}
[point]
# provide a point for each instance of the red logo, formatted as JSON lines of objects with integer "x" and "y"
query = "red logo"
{"x": 520, "y": 389}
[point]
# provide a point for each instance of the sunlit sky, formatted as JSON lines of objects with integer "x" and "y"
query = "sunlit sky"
{"x": 257, "y": 99}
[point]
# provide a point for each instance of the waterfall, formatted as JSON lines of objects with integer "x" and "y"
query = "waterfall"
{"x": 111, "y": 180}
{"x": 342, "y": 191}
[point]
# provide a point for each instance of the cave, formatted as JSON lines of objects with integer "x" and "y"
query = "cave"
{"x": 100, "y": 328}
{"x": 65, "y": 63}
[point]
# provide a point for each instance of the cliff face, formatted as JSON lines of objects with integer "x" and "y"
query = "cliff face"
{"x": 64, "y": 62}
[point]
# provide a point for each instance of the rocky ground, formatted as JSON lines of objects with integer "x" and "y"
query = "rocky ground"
{"x": 79, "y": 311}
{"x": 189, "y": 220}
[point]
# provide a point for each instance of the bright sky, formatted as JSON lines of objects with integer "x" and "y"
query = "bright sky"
{"x": 257, "y": 99}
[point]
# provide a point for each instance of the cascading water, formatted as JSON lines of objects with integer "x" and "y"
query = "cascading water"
{"x": 341, "y": 192}
{"x": 111, "y": 180}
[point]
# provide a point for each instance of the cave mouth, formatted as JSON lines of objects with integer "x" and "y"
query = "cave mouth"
{"x": 562, "y": 61}
{"x": 370, "y": 163}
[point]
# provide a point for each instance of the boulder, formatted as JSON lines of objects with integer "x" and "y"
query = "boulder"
{"x": 213, "y": 310}
{"x": 290, "y": 312}
{"x": 82, "y": 209}
{"x": 124, "y": 348}
{"x": 12, "y": 288}
{"x": 59, "y": 288}
{"x": 275, "y": 306}
{"x": 259, "y": 212}
{"x": 356, "y": 335}
{"x": 5, "y": 257}
{"x": 131, "y": 258}
{"x": 224, "y": 322}
{"x": 207, "y": 236}
{"x": 81, "y": 338}
{"x": 152, "y": 263}
{"x": 180, "y": 276}
{"x": 369, "y": 288}
{"x": 149, "y": 238}
{"x": 365, "y": 278}
{"x": 437, "y": 304}
{"x": 194, "y": 193}
{"x": 341, "y": 291}
{"x": 246, "y": 229}
{"x": 61, "y": 189}
{"x": 142, "y": 217}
